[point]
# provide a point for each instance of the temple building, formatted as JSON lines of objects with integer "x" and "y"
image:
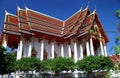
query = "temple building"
{"x": 36, "y": 34}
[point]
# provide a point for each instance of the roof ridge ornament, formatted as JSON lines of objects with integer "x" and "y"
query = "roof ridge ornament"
{"x": 6, "y": 12}
{"x": 88, "y": 5}
{"x": 95, "y": 9}
{"x": 24, "y": 5}
{"x": 81, "y": 7}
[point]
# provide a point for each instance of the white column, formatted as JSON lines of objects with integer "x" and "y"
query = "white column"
{"x": 53, "y": 50}
{"x": 91, "y": 47}
{"x": 101, "y": 47}
{"x": 87, "y": 48}
{"x": 62, "y": 50}
{"x": 81, "y": 51}
{"x": 4, "y": 44}
{"x": 24, "y": 48}
{"x": 75, "y": 51}
{"x": 19, "y": 50}
{"x": 42, "y": 49}
{"x": 30, "y": 49}
{"x": 69, "y": 50}
{"x": 105, "y": 50}
{"x": 39, "y": 48}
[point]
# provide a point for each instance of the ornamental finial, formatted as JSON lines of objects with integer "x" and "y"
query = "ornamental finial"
{"x": 95, "y": 9}
{"x": 81, "y": 6}
{"x": 88, "y": 5}
{"x": 25, "y": 5}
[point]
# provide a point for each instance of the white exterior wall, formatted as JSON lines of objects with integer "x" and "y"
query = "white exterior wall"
{"x": 66, "y": 51}
{"x": 25, "y": 48}
{"x": 36, "y": 44}
{"x": 78, "y": 50}
{"x": 72, "y": 46}
{"x": 39, "y": 50}
{"x": 57, "y": 49}
{"x": 69, "y": 50}
{"x": 48, "y": 48}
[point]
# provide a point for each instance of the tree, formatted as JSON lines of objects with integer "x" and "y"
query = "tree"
{"x": 117, "y": 23}
{"x": 2, "y": 59}
{"x": 48, "y": 65}
{"x": 58, "y": 65}
{"x": 92, "y": 63}
{"x": 28, "y": 64}
{"x": 64, "y": 64}
{"x": 10, "y": 60}
{"x": 118, "y": 13}
{"x": 116, "y": 47}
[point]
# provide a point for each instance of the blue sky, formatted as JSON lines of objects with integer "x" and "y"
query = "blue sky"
{"x": 63, "y": 9}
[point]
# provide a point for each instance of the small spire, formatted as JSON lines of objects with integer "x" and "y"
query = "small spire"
{"x": 95, "y": 8}
{"x": 26, "y": 8}
{"x": 16, "y": 4}
{"x": 88, "y": 5}
{"x": 6, "y": 13}
{"x": 25, "y": 5}
{"x": 81, "y": 7}
{"x": 18, "y": 8}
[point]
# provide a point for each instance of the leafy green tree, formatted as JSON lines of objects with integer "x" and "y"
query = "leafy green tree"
{"x": 48, "y": 65}
{"x": 117, "y": 40}
{"x": 92, "y": 63}
{"x": 10, "y": 60}
{"x": 118, "y": 13}
{"x": 2, "y": 59}
{"x": 116, "y": 47}
{"x": 64, "y": 64}
{"x": 28, "y": 64}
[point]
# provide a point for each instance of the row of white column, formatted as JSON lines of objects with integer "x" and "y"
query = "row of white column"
{"x": 89, "y": 49}
{"x": 41, "y": 55}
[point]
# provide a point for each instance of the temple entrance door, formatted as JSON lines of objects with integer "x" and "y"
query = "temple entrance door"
{"x": 55, "y": 55}
{"x": 72, "y": 53}
{"x": 45, "y": 55}
{"x": 96, "y": 45}
{"x": 85, "y": 53}
{"x": 34, "y": 53}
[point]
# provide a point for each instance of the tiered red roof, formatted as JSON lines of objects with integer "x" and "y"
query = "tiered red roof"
{"x": 32, "y": 23}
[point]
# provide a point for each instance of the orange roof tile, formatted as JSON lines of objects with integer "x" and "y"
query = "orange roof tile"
{"x": 29, "y": 21}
